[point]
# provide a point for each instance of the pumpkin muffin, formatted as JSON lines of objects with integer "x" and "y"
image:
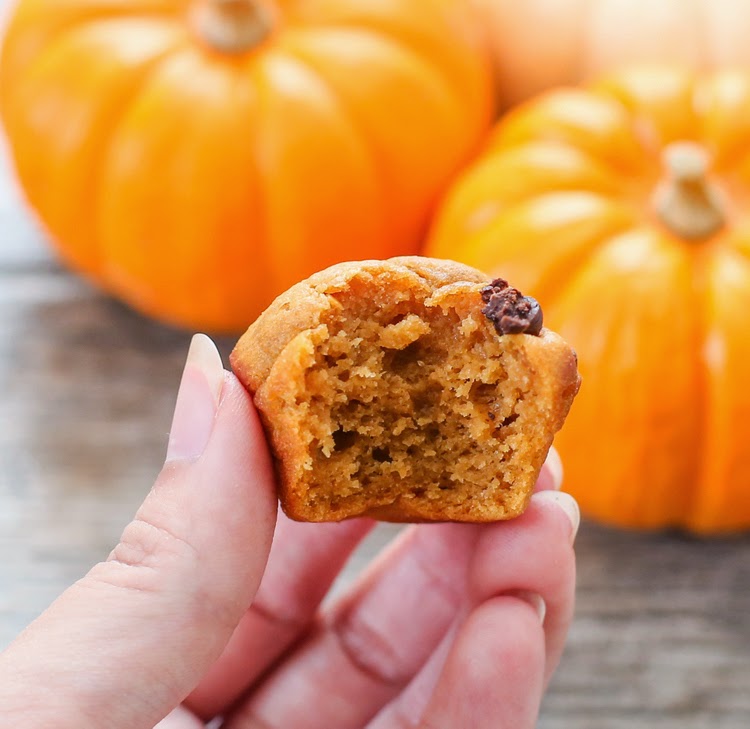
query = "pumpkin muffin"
{"x": 410, "y": 389}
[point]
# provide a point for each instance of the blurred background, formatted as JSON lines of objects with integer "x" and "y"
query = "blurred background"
{"x": 88, "y": 379}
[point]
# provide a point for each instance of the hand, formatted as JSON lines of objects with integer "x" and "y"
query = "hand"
{"x": 453, "y": 626}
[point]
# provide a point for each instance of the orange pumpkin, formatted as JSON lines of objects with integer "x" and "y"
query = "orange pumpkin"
{"x": 625, "y": 209}
{"x": 538, "y": 44}
{"x": 196, "y": 157}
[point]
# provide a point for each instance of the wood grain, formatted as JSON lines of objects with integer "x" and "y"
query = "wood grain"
{"x": 662, "y": 633}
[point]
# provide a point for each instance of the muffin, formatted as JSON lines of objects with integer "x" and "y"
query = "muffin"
{"x": 410, "y": 389}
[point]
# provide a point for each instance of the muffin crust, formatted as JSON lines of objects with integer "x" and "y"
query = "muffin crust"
{"x": 387, "y": 391}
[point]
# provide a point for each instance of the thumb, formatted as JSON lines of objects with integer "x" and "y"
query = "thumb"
{"x": 125, "y": 644}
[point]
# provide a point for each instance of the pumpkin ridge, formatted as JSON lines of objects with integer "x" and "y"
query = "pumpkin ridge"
{"x": 704, "y": 260}
{"x": 601, "y": 164}
{"x": 67, "y": 29}
{"x": 450, "y": 97}
{"x": 554, "y": 288}
{"x": 526, "y": 151}
{"x": 619, "y": 373}
{"x": 96, "y": 155}
{"x": 654, "y": 128}
{"x": 730, "y": 506}
{"x": 260, "y": 221}
{"x": 220, "y": 316}
{"x": 554, "y": 285}
{"x": 259, "y": 181}
{"x": 428, "y": 65}
{"x": 695, "y": 451}
{"x": 557, "y": 116}
{"x": 416, "y": 42}
{"x": 105, "y": 142}
{"x": 355, "y": 122}
{"x": 278, "y": 257}
{"x": 76, "y": 19}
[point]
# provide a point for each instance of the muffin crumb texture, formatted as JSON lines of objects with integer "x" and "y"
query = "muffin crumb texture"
{"x": 404, "y": 403}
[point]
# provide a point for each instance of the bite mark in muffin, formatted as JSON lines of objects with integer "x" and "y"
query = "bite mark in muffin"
{"x": 402, "y": 390}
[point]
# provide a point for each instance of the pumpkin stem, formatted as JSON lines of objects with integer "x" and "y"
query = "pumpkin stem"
{"x": 233, "y": 26}
{"x": 686, "y": 202}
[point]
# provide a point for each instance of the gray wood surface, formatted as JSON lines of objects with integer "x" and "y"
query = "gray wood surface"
{"x": 662, "y": 633}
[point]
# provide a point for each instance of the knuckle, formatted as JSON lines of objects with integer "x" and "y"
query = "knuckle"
{"x": 366, "y": 634}
{"x": 436, "y": 580}
{"x": 149, "y": 545}
{"x": 287, "y": 618}
{"x": 144, "y": 558}
{"x": 152, "y": 558}
{"x": 370, "y": 649}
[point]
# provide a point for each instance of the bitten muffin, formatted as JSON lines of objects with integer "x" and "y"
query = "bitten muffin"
{"x": 410, "y": 389}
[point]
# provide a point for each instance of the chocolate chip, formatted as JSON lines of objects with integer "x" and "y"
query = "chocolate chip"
{"x": 509, "y": 310}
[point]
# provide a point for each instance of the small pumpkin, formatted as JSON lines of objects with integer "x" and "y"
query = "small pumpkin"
{"x": 197, "y": 157}
{"x": 538, "y": 44}
{"x": 624, "y": 208}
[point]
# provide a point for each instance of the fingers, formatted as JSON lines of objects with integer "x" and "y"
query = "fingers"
{"x": 305, "y": 559}
{"x": 533, "y": 554}
{"x": 133, "y": 637}
{"x": 494, "y": 673}
{"x": 528, "y": 560}
{"x": 373, "y": 641}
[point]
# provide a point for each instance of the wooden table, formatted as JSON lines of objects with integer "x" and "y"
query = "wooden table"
{"x": 662, "y": 634}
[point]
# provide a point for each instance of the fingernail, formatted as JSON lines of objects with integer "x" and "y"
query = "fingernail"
{"x": 568, "y": 504}
{"x": 197, "y": 400}
{"x": 555, "y": 468}
{"x": 550, "y": 475}
{"x": 535, "y": 600}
